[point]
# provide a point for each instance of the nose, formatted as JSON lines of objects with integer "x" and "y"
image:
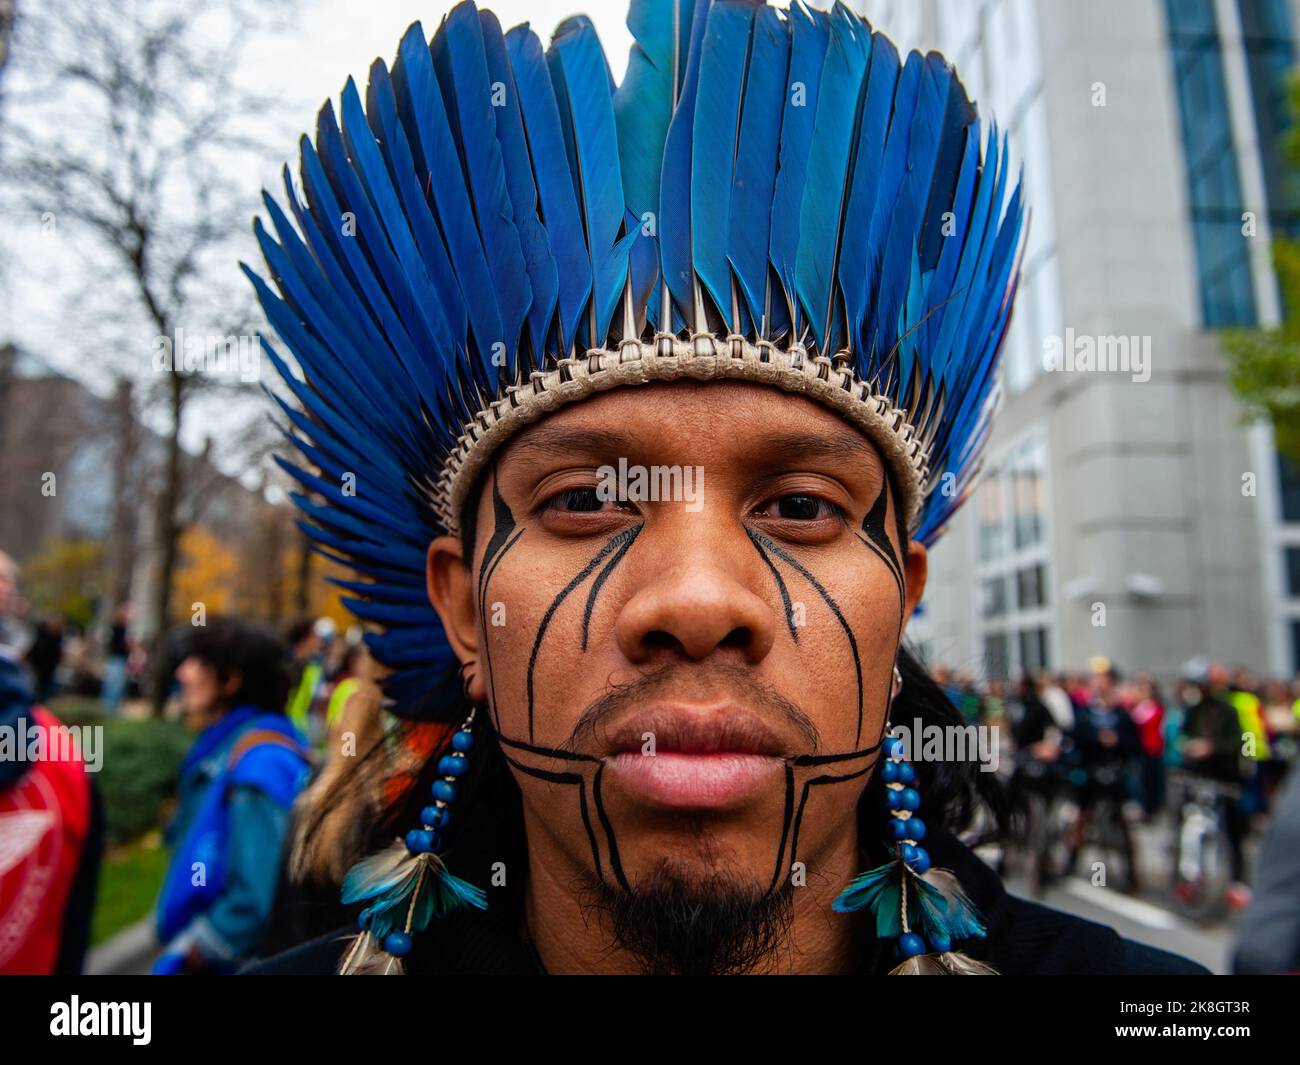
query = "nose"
{"x": 702, "y": 602}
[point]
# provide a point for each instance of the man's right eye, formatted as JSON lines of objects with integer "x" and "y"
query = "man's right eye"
{"x": 579, "y": 500}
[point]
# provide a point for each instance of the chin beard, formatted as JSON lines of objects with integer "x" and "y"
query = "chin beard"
{"x": 678, "y": 923}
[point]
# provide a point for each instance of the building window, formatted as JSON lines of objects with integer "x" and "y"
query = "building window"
{"x": 1031, "y": 590}
{"x": 1014, "y": 567}
{"x": 995, "y": 597}
{"x": 1293, "y": 572}
{"x": 1288, "y": 478}
{"x": 1270, "y": 55}
{"x": 1213, "y": 184}
{"x": 997, "y": 661}
{"x": 1033, "y": 650}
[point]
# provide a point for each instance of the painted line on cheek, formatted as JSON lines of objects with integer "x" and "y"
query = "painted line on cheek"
{"x": 803, "y": 802}
{"x": 599, "y": 582}
{"x": 568, "y": 778}
{"x": 780, "y": 585}
{"x": 612, "y": 545}
{"x": 485, "y": 578}
{"x": 874, "y": 526}
{"x": 786, "y": 821}
{"x": 614, "y": 862}
{"x": 826, "y": 597}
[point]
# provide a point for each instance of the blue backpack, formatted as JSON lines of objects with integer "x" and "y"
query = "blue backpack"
{"x": 265, "y": 757}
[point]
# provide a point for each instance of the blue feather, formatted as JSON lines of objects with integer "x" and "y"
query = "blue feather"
{"x": 754, "y": 178}
{"x": 554, "y": 182}
{"x": 714, "y": 134}
{"x": 381, "y": 104}
{"x": 540, "y": 263}
{"x": 643, "y": 103}
{"x": 856, "y": 251}
{"x": 467, "y": 91}
{"x": 675, "y": 186}
{"x": 420, "y": 105}
{"x": 578, "y": 65}
{"x": 834, "y": 131}
{"x": 809, "y": 38}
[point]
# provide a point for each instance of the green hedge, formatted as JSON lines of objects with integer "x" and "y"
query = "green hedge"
{"x": 141, "y": 760}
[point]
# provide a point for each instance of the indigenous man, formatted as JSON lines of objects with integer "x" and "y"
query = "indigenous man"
{"x": 777, "y": 256}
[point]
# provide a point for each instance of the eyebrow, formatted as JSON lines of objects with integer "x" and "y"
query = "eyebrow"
{"x": 850, "y": 446}
{"x": 548, "y": 442}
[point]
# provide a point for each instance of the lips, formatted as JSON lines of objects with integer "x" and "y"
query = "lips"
{"x": 703, "y": 758}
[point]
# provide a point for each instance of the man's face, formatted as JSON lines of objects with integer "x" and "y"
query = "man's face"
{"x": 686, "y": 685}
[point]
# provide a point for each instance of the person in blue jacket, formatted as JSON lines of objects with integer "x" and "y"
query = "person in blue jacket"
{"x": 237, "y": 785}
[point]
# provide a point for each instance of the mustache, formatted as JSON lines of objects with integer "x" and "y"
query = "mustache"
{"x": 736, "y": 683}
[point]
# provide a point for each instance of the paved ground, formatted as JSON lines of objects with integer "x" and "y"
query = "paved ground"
{"x": 1150, "y": 917}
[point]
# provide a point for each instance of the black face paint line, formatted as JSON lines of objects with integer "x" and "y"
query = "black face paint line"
{"x": 780, "y": 587}
{"x": 504, "y": 536}
{"x": 612, "y": 545}
{"x": 877, "y": 541}
{"x": 874, "y": 526}
{"x": 599, "y": 582}
{"x": 759, "y": 540}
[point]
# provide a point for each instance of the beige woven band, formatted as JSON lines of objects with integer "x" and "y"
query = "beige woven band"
{"x": 703, "y": 358}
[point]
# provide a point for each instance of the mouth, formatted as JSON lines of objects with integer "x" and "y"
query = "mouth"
{"x": 685, "y": 757}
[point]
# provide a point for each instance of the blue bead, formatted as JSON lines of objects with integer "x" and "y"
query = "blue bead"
{"x": 444, "y": 790}
{"x": 907, "y": 799}
{"x": 921, "y": 862}
{"x": 894, "y": 748}
{"x": 940, "y": 943}
{"x": 462, "y": 741}
{"x": 909, "y": 853}
{"x": 910, "y": 945}
{"x": 906, "y": 774}
{"x": 898, "y": 830}
{"x": 397, "y": 944}
{"x": 889, "y": 773}
{"x": 435, "y": 816}
{"x": 452, "y": 765}
{"x": 915, "y": 828}
{"x": 418, "y": 841}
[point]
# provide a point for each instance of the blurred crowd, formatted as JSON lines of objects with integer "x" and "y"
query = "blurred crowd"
{"x": 1208, "y": 762}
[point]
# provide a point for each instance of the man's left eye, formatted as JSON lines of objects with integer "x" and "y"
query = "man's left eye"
{"x": 799, "y": 508}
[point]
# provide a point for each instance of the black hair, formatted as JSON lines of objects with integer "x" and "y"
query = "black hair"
{"x": 231, "y": 646}
{"x": 299, "y": 630}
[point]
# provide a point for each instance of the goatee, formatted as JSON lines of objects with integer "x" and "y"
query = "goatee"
{"x": 680, "y": 924}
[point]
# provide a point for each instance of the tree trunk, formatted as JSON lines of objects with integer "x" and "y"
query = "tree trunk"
{"x": 303, "y": 601}
{"x": 126, "y": 447}
{"x": 166, "y": 534}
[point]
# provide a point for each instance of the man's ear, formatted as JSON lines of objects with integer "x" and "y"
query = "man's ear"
{"x": 451, "y": 591}
{"x": 917, "y": 567}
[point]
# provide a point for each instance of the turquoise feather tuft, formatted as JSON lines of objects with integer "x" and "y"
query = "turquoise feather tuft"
{"x": 936, "y": 904}
{"x": 399, "y": 885}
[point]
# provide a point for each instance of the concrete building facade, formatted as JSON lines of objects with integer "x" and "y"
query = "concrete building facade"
{"x": 1129, "y": 511}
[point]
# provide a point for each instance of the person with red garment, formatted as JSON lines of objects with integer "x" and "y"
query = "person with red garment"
{"x": 51, "y": 829}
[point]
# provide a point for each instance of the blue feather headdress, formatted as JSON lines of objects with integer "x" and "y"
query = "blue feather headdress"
{"x": 770, "y": 195}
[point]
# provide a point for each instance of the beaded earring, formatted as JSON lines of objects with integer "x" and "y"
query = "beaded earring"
{"x": 924, "y": 908}
{"x": 408, "y": 884}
